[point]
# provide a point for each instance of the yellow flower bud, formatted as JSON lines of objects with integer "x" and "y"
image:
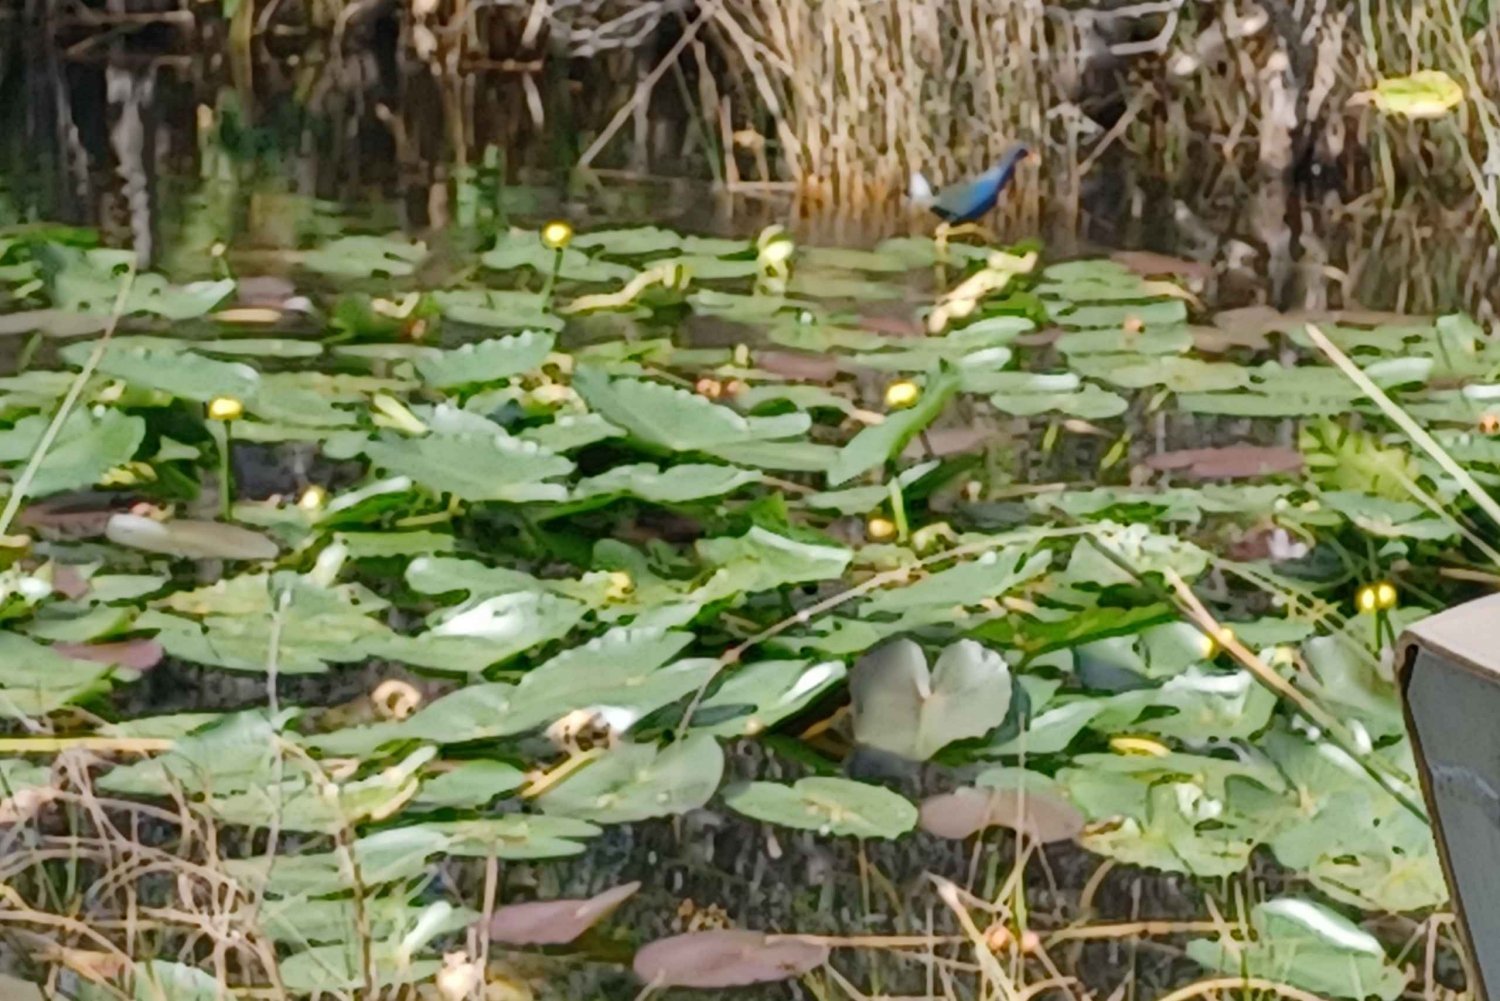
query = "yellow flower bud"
{"x": 556, "y": 235}
{"x": 1385, "y": 595}
{"x": 1139, "y": 746}
{"x": 313, "y": 498}
{"x": 879, "y": 529}
{"x": 777, "y": 252}
{"x": 225, "y": 408}
{"x": 1209, "y": 646}
{"x": 621, "y": 586}
{"x": 904, "y": 393}
{"x": 1366, "y": 599}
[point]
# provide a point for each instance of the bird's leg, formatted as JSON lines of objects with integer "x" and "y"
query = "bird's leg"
{"x": 971, "y": 228}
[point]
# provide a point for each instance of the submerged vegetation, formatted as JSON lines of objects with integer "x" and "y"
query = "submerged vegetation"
{"x": 318, "y": 670}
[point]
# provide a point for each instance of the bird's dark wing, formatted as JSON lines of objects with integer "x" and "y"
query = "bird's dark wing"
{"x": 968, "y": 200}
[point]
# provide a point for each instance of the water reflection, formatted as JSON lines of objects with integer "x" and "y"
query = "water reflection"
{"x": 167, "y": 146}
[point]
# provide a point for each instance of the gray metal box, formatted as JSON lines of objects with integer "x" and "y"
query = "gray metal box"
{"x": 1449, "y": 672}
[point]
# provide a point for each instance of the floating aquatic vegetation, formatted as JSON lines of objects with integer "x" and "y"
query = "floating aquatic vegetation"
{"x": 613, "y": 551}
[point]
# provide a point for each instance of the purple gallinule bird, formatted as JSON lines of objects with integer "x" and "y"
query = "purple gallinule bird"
{"x": 968, "y": 201}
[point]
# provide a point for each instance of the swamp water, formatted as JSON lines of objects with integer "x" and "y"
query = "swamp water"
{"x": 556, "y": 562}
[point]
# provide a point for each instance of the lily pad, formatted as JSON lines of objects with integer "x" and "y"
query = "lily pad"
{"x": 1307, "y": 945}
{"x": 635, "y": 782}
{"x": 902, "y": 708}
{"x": 555, "y": 922}
{"x": 827, "y": 805}
{"x": 726, "y": 957}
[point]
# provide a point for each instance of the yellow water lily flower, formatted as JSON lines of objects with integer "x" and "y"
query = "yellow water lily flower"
{"x": 1138, "y": 745}
{"x": 621, "y": 586}
{"x": 556, "y": 235}
{"x": 879, "y": 529}
{"x": 225, "y": 408}
{"x": 313, "y": 498}
{"x": 904, "y": 393}
{"x": 1377, "y": 597}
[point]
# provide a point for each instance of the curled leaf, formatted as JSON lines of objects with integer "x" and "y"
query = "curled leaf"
{"x": 726, "y": 958}
{"x": 555, "y": 922}
{"x": 197, "y": 540}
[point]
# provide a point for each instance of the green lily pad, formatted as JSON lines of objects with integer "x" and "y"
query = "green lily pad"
{"x": 1304, "y": 944}
{"x": 486, "y": 361}
{"x": 635, "y": 782}
{"x": 473, "y": 466}
{"x": 833, "y": 806}
{"x": 901, "y": 707}
{"x": 365, "y": 257}
{"x": 674, "y": 419}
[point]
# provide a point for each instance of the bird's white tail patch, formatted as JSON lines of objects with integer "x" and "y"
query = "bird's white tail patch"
{"x": 919, "y": 191}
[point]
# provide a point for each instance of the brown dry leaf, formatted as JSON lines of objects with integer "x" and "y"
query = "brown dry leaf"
{"x": 943, "y": 442}
{"x": 1149, "y": 264}
{"x": 726, "y": 958}
{"x": 192, "y": 539}
{"x": 133, "y": 655}
{"x": 798, "y": 366}
{"x": 1233, "y": 462}
{"x": 79, "y": 515}
{"x": 967, "y": 811}
{"x": 555, "y": 922}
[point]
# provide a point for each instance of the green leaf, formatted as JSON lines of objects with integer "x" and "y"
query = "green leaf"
{"x": 328, "y": 968}
{"x": 524, "y": 249}
{"x": 181, "y": 373}
{"x": 757, "y": 696}
{"x": 35, "y": 680}
{"x": 500, "y": 309}
{"x": 90, "y": 282}
{"x": 1089, "y": 403}
{"x": 159, "y": 980}
{"x": 881, "y": 442}
{"x": 901, "y": 708}
{"x": 388, "y": 856}
{"x": 365, "y": 257}
{"x": 834, "y": 806}
{"x": 635, "y": 782}
{"x": 470, "y": 785}
{"x": 486, "y": 361}
{"x": 86, "y": 448}
{"x": 1424, "y": 94}
{"x": 636, "y": 241}
{"x": 1304, "y": 944}
{"x": 621, "y": 672}
{"x": 672, "y": 485}
{"x": 675, "y": 419}
{"x": 1180, "y": 375}
{"x": 480, "y": 633}
{"x": 566, "y": 432}
{"x": 989, "y": 576}
{"x": 761, "y": 560}
{"x": 474, "y": 467}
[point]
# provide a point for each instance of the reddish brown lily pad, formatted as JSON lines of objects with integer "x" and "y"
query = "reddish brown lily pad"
{"x": 726, "y": 958}
{"x": 965, "y": 812}
{"x": 555, "y": 922}
{"x": 1149, "y": 264}
{"x": 798, "y": 366}
{"x": 133, "y": 655}
{"x": 1233, "y": 462}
